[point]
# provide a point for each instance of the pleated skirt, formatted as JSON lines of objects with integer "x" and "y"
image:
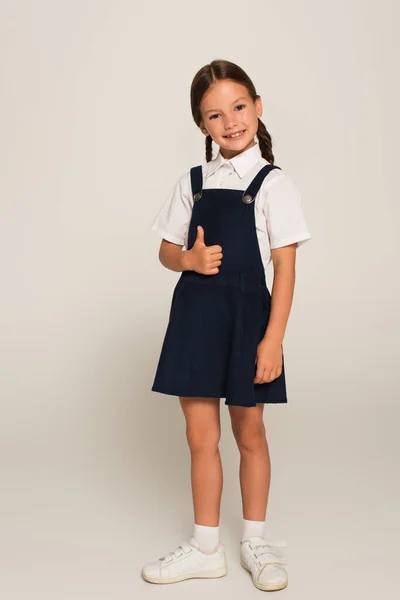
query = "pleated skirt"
{"x": 211, "y": 341}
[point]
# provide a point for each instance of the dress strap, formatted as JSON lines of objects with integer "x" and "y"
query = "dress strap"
{"x": 252, "y": 189}
{"x": 196, "y": 178}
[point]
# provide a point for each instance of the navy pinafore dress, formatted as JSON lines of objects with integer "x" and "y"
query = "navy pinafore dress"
{"x": 217, "y": 321}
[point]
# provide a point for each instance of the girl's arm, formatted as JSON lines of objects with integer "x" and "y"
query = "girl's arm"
{"x": 282, "y": 292}
{"x": 172, "y": 256}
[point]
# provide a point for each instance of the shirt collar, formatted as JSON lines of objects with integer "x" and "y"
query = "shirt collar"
{"x": 242, "y": 163}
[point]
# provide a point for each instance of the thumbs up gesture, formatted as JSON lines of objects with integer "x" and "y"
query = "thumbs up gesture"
{"x": 204, "y": 259}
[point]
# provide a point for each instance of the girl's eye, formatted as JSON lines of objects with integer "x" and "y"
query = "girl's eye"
{"x": 238, "y": 106}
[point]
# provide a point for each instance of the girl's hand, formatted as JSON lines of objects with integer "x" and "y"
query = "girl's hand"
{"x": 269, "y": 361}
{"x": 204, "y": 259}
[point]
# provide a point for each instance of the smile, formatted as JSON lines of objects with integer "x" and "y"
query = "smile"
{"x": 235, "y": 136}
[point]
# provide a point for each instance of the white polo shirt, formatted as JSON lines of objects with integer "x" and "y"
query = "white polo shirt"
{"x": 278, "y": 204}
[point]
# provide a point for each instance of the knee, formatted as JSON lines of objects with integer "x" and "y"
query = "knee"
{"x": 250, "y": 437}
{"x": 203, "y": 440}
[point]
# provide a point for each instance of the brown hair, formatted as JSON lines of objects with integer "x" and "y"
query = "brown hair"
{"x": 223, "y": 69}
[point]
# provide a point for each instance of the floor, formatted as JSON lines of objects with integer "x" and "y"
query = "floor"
{"x": 80, "y": 523}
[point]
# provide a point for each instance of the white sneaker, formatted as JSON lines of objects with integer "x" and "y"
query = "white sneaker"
{"x": 186, "y": 562}
{"x": 265, "y": 563}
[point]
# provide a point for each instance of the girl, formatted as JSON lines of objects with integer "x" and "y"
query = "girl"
{"x": 222, "y": 224}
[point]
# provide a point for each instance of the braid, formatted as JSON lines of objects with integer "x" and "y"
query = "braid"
{"x": 265, "y": 142}
{"x": 208, "y": 148}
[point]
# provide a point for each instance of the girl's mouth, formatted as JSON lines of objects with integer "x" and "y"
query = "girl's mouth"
{"x": 235, "y": 137}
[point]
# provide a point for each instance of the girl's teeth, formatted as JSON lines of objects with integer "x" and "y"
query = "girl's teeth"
{"x": 236, "y": 135}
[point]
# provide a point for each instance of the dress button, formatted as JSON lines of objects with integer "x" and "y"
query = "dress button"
{"x": 247, "y": 198}
{"x": 197, "y": 196}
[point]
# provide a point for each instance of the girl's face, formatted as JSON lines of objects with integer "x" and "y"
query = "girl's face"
{"x": 227, "y": 108}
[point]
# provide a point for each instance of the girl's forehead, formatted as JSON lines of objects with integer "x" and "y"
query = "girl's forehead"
{"x": 223, "y": 92}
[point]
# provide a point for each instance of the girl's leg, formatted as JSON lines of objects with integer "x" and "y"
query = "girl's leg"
{"x": 203, "y": 432}
{"x": 203, "y": 435}
{"x": 255, "y": 466}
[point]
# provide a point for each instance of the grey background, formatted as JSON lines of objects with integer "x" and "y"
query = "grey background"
{"x": 95, "y": 129}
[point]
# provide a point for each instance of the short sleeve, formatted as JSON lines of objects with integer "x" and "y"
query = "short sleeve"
{"x": 173, "y": 218}
{"x": 286, "y": 223}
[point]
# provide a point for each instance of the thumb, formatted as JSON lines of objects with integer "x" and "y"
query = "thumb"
{"x": 200, "y": 234}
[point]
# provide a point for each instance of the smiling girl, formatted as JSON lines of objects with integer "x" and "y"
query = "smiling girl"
{"x": 221, "y": 225}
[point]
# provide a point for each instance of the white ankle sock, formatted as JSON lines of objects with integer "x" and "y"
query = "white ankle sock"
{"x": 207, "y": 537}
{"x": 252, "y": 528}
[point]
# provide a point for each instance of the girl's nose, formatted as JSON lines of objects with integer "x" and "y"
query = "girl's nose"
{"x": 230, "y": 122}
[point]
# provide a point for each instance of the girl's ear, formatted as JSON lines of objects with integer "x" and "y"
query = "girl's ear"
{"x": 259, "y": 106}
{"x": 202, "y": 128}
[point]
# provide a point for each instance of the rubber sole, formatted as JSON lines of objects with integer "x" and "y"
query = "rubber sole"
{"x": 272, "y": 587}
{"x": 205, "y": 575}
